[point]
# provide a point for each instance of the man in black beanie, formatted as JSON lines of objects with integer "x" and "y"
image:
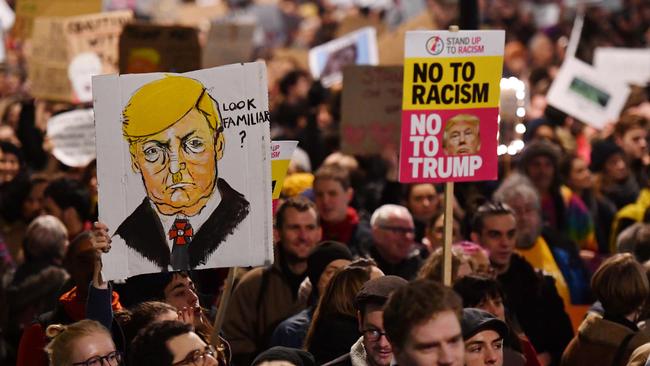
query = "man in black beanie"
{"x": 296, "y": 357}
{"x": 617, "y": 183}
{"x": 372, "y": 348}
{"x": 322, "y": 263}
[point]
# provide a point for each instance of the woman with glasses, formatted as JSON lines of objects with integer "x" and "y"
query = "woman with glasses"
{"x": 84, "y": 343}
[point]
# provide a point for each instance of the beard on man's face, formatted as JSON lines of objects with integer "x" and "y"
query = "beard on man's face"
{"x": 526, "y": 237}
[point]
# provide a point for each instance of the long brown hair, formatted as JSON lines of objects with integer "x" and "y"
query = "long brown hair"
{"x": 338, "y": 299}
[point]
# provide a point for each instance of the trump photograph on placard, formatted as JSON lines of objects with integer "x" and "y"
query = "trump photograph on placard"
{"x": 462, "y": 135}
{"x": 192, "y": 169}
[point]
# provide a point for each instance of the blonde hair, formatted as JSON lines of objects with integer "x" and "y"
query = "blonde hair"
{"x": 432, "y": 267}
{"x": 59, "y": 350}
{"x": 457, "y": 119}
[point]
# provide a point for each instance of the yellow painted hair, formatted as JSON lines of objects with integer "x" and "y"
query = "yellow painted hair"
{"x": 161, "y": 103}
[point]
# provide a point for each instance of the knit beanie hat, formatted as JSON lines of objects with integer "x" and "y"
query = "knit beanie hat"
{"x": 601, "y": 151}
{"x": 325, "y": 253}
{"x": 295, "y": 356}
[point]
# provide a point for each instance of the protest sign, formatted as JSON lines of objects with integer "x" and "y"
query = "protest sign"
{"x": 391, "y": 44}
{"x": 184, "y": 169}
{"x": 67, "y": 51}
{"x": 281, "y": 153}
{"x": 326, "y": 61}
{"x": 450, "y": 106}
{"x": 7, "y": 19}
{"x": 156, "y": 48}
{"x": 357, "y": 21}
{"x": 376, "y": 126}
{"x": 631, "y": 65}
{"x": 73, "y": 136}
{"x": 191, "y": 14}
{"x": 229, "y": 43}
{"x": 28, "y": 10}
{"x": 587, "y": 94}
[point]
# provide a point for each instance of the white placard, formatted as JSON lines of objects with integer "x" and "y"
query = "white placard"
{"x": 587, "y": 94}
{"x": 73, "y": 136}
{"x": 357, "y": 48}
{"x": 199, "y": 142}
{"x": 631, "y": 65}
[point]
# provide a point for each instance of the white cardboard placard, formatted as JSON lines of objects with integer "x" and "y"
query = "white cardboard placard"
{"x": 242, "y": 235}
{"x": 587, "y": 94}
{"x": 357, "y": 48}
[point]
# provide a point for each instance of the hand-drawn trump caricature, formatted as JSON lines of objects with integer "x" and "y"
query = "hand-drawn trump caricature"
{"x": 175, "y": 137}
{"x": 462, "y": 135}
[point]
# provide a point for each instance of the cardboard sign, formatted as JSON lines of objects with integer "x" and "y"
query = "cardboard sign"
{"x": 281, "y": 153}
{"x": 68, "y": 51}
{"x": 7, "y": 19}
{"x": 391, "y": 44}
{"x": 587, "y": 94}
{"x": 159, "y": 48}
{"x": 450, "y": 106}
{"x": 326, "y": 61}
{"x": 184, "y": 169}
{"x": 357, "y": 21}
{"x": 73, "y": 136}
{"x": 631, "y": 65}
{"x": 229, "y": 43}
{"x": 28, "y": 10}
{"x": 376, "y": 126}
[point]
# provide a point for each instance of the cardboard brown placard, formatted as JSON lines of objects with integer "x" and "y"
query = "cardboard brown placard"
{"x": 299, "y": 56}
{"x": 375, "y": 127}
{"x": 356, "y": 21}
{"x": 391, "y": 44}
{"x": 229, "y": 43}
{"x": 171, "y": 12}
{"x": 28, "y": 10}
{"x": 60, "y": 41}
{"x": 159, "y": 48}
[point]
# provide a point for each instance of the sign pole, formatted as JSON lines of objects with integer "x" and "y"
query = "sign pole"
{"x": 448, "y": 221}
{"x": 223, "y": 304}
{"x": 448, "y": 234}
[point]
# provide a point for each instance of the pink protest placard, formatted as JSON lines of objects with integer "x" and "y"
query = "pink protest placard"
{"x": 450, "y": 106}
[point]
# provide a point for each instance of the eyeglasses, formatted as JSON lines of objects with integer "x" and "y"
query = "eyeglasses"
{"x": 112, "y": 359}
{"x": 398, "y": 229}
{"x": 373, "y": 335}
{"x": 197, "y": 357}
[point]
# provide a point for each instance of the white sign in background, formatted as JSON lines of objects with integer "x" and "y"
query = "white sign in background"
{"x": 327, "y": 61}
{"x": 72, "y": 135}
{"x": 631, "y": 65}
{"x": 587, "y": 94}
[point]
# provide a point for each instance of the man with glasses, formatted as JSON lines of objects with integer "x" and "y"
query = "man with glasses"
{"x": 393, "y": 246}
{"x": 171, "y": 343}
{"x": 372, "y": 348}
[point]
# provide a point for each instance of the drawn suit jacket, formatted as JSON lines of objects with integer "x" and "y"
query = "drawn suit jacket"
{"x": 143, "y": 232}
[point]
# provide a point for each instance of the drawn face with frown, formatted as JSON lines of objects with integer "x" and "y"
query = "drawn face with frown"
{"x": 179, "y": 164}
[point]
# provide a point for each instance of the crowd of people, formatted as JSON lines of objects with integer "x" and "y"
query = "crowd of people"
{"x": 550, "y": 263}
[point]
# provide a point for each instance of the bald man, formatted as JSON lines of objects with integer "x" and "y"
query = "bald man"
{"x": 173, "y": 128}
